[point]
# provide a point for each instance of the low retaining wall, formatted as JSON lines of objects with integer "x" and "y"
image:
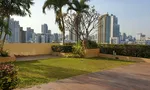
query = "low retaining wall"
{"x": 12, "y": 58}
{"x": 126, "y": 58}
{"x": 89, "y": 53}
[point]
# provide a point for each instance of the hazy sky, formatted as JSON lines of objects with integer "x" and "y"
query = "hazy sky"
{"x": 133, "y": 15}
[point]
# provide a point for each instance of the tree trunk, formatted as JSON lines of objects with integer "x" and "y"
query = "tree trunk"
{"x": 77, "y": 28}
{"x": 3, "y": 42}
{"x": 6, "y": 29}
{"x": 63, "y": 38}
{"x": 87, "y": 35}
{"x": 63, "y": 26}
{"x": 1, "y": 32}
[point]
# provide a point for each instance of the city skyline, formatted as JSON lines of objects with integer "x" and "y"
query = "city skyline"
{"x": 132, "y": 18}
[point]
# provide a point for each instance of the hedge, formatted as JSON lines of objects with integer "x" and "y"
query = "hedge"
{"x": 62, "y": 48}
{"x": 126, "y": 50}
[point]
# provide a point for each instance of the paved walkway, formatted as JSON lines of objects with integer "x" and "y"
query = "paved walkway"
{"x": 133, "y": 77}
{"x": 32, "y": 58}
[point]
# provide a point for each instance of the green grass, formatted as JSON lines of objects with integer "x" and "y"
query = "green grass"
{"x": 44, "y": 71}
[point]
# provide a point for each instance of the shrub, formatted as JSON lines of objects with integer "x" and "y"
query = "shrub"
{"x": 4, "y": 53}
{"x": 69, "y": 44}
{"x": 91, "y": 44}
{"x": 126, "y": 50}
{"x": 78, "y": 50}
{"x": 62, "y": 48}
{"x": 8, "y": 77}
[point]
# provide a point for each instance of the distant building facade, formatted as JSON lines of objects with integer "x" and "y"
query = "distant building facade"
{"x": 108, "y": 28}
{"x": 22, "y": 35}
{"x": 29, "y": 34}
{"x": 114, "y": 40}
{"x": 141, "y": 39}
{"x": 44, "y": 28}
{"x": 14, "y": 27}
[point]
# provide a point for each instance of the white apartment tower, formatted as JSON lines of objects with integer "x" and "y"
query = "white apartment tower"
{"x": 114, "y": 28}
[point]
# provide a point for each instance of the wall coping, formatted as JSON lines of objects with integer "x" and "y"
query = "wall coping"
{"x": 126, "y": 58}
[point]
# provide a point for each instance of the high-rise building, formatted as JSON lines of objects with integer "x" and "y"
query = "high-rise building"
{"x": 15, "y": 31}
{"x": 115, "y": 27}
{"x": 141, "y": 39}
{"x": 22, "y": 35}
{"x": 44, "y": 28}
{"x": 60, "y": 37}
{"x": 108, "y": 28}
{"x": 29, "y": 34}
{"x": 124, "y": 36}
{"x": 43, "y": 38}
{"x": 38, "y": 38}
{"x": 114, "y": 40}
{"x": 47, "y": 37}
{"x": 49, "y": 31}
{"x": 104, "y": 29}
{"x": 56, "y": 37}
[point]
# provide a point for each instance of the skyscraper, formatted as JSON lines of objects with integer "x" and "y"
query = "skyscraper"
{"x": 56, "y": 37}
{"x": 49, "y": 31}
{"x": 108, "y": 28}
{"x": 115, "y": 27}
{"x": 38, "y": 38}
{"x": 141, "y": 39}
{"x": 15, "y": 31}
{"x": 22, "y": 35}
{"x": 29, "y": 34}
{"x": 44, "y": 28}
{"x": 124, "y": 36}
{"x": 43, "y": 38}
{"x": 104, "y": 29}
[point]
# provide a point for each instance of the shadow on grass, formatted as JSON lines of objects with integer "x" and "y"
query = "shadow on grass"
{"x": 35, "y": 73}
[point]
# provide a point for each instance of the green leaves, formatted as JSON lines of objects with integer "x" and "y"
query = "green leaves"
{"x": 8, "y": 77}
{"x": 15, "y": 7}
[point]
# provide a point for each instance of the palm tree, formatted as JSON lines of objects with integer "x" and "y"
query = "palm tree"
{"x": 79, "y": 7}
{"x": 13, "y": 7}
{"x": 57, "y": 5}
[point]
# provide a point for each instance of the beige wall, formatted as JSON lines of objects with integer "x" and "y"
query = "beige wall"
{"x": 28, "y": 48}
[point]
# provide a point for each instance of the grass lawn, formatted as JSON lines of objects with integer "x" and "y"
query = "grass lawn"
{"x": 44, "y": 71}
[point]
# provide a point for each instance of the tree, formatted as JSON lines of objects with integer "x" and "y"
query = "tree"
{"x": 88, "y": 24}
{"x": 57, "y": 5}
{"x": 79, "y": 7}
{"x": 9, "y": 8}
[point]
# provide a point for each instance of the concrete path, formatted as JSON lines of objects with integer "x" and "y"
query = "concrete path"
{"x": 133, "y": 77}
{"x": 32, "y": 58}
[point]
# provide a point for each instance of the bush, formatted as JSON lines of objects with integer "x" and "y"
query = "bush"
{"x": 62, "y": 48}
{"x": 78, "y": 50}
{"x": 91, "y": 44}
{"x": 8, "y": 77}
{"x": 69, "y": 44}
{"x": 4, "y": 53}
{"x": 126, "y": 50}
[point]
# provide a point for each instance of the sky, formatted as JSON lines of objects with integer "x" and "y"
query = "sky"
{"x": 133, "y": 15}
